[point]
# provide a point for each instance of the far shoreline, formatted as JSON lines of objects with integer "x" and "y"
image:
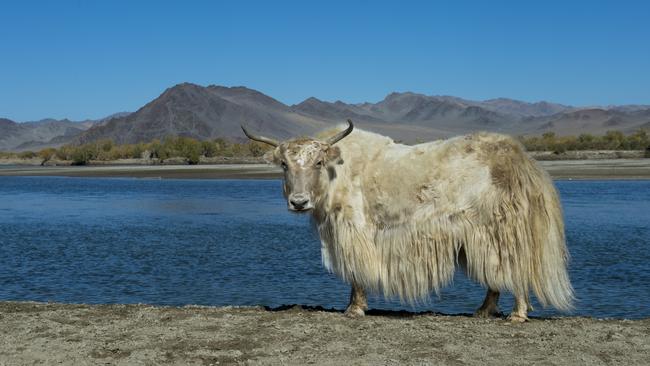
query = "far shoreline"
{"x": 596, "y": 169}
{"x": 215, "y": 171}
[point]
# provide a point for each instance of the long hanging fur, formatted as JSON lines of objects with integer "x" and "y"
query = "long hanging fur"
{"x": 397, "y": 219}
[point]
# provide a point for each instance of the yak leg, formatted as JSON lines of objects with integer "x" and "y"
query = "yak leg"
{"x": 520, "y": 310}
{"x": 358, "y": 302}
{"x": 489, "y": 307}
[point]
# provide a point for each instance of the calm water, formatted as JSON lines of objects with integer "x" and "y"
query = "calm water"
{"x": 232, "y": 242}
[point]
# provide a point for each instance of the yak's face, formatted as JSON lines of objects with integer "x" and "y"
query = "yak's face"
{"x": 307, "y": 166}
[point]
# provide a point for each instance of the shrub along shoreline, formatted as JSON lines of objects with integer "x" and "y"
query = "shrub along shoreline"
{"x": 171, "y": 150}
{"x": 611, "y": 141}
{"x": 184, "y": 150}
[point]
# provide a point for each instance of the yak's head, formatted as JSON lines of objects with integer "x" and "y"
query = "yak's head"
{"x": 307, "y": 164}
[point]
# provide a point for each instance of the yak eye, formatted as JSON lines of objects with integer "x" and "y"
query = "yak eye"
{"x": 283, "y": 165}
{"x": 319, "y": 164}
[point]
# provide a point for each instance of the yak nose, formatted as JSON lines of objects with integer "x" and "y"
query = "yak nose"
{"x": 299, "y": 201}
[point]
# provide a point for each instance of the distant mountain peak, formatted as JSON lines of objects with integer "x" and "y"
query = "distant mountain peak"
{"x": 240, "y": 88}
{"x": 312, "y": 100}
{"x": 186, "y": 85}
{"x": 6, "y": 121}
{"x": 182, "y": 87}
{"x": 396, "y": 94}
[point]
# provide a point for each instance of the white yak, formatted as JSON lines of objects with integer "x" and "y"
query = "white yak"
{"x": 397, "y": 219}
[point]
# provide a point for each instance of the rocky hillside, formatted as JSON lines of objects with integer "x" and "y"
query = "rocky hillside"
{"x": 205, "y": 113}
{"x": 440, "y": 116}
{"x": 217, "y": 112}
{"x": 36, "y": 135}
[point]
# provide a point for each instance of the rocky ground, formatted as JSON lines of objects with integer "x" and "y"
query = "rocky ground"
{"x": 36, "y": 333}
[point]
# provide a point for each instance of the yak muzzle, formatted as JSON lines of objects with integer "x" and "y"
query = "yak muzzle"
{"x": 300, "y": 202}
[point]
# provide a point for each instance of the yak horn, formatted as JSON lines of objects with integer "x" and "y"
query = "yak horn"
{"x": 263, "y": 139}
{"x": 339, "y": 136}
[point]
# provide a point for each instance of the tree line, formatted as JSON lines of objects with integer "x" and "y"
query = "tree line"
{"x": 170, "y": 147}
{"x": 611, "y": 140}
{"x": 192, "y": 149}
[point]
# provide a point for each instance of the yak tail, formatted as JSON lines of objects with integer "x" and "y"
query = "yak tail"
{"x": 550, "y": 280}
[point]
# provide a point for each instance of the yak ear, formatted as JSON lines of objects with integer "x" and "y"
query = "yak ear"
{"x": 334, "y": 154}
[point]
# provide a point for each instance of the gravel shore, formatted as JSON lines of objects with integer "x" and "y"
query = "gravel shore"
{"x": 60, "y": 334}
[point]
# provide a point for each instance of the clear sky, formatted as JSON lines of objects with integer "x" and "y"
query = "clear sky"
{"x": 87, "y": 59}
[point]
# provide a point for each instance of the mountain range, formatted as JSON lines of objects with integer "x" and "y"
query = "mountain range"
{"x": 217, "y": 112}
{"x": 49, "y": 132}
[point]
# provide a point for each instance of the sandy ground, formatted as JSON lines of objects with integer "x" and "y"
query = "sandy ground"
{"x": 566, "y": 169}
{"x": 598, "y": 169}
{"x": 58, "y": 334}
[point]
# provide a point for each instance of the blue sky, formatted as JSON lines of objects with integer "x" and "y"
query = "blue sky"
{"x": 87, "y": 59}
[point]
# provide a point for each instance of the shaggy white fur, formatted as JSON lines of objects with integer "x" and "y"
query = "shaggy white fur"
{"x": 398, "y": 219}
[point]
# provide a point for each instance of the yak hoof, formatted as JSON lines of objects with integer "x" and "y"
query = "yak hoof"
{"x": 487, "y": 313}
{"x": 354, "y": 312}
{"x": 516, "y": 318}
